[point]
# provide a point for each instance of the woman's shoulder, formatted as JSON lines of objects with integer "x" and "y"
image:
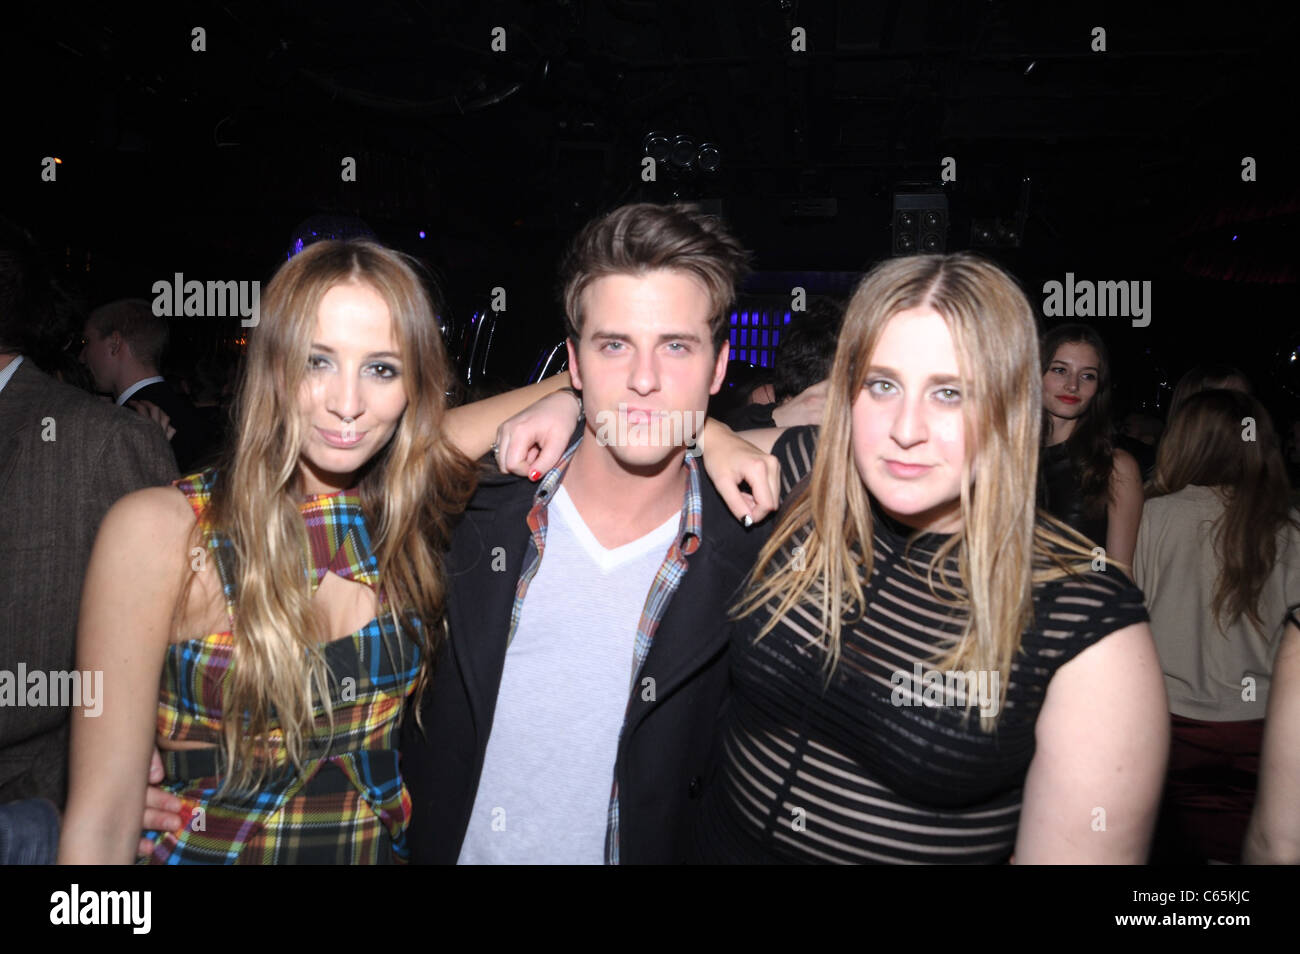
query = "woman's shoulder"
{"x": 1075, "y": 607}
{"x": 1070, "y": 571}
{"x": 795, "y": 450}
{"x": 1123, "y": 458}
{"x": 144, "y": 535}
{"x": 1192, "y": 499}
{"x": 159, "y": 512}
{"x": 1125, "y": 470}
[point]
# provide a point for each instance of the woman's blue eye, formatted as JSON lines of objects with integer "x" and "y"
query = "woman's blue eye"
{"x": 379, "y": 369}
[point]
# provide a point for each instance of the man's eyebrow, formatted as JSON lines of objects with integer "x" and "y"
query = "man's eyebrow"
{"x": 669, "y": 336}
{"x": 316, "y": 346}
{"x": 932, "y": 379}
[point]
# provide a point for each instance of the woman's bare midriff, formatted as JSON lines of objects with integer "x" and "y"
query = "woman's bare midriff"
{"x": 171, "y": 745}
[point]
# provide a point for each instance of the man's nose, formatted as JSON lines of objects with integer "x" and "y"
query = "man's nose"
{"x": 645, "y": 373}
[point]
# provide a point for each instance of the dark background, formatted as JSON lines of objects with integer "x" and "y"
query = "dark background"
{"x": 1122, "y": 165}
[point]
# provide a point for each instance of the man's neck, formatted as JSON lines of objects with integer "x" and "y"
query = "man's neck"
{"x": 134, "y": 375}
{"x": 7, "y": 358}
{"x": 618, "y": 504}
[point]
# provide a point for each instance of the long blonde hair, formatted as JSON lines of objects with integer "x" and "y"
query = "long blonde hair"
{"x": 1001, "y": 548}
{"x": 408, "y": 491}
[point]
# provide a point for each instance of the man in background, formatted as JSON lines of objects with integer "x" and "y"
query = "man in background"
{"x": 123, "y": 351}
{"x": 65, "y": 458}
{"x": 801, "y": 365}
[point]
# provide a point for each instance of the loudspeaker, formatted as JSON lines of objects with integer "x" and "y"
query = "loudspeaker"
{"x": 920, "y": 223}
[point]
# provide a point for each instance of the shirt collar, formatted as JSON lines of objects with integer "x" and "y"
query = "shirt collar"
{"x": 143, "y": 383}
{"x": 689, "y": 531}
{"x": 9, "y": 370}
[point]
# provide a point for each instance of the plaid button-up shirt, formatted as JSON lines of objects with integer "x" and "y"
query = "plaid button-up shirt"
{"x": 666, "y": 581}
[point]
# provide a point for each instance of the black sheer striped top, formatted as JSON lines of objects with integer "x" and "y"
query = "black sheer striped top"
{"x": 877, "y": 765}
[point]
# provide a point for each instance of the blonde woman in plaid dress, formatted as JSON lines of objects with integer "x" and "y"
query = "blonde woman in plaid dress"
{"x": 288, "y": 601}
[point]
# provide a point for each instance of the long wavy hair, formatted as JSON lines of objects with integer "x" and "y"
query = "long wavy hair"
{"x": 1204, "y": 445}
{"x": 1002, "y": 547}
{"x": 1091, "y": 446}
{"x": 409, "y": 490}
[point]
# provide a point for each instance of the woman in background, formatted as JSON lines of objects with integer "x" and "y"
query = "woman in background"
{"x": 1086, "y": 481}
{"x": 1207, "y": 377}
{"x": 1218, "y": 557}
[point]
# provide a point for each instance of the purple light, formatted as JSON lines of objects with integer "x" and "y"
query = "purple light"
{"x": 421, "y": 233}
{"x": 1234, "y": 238}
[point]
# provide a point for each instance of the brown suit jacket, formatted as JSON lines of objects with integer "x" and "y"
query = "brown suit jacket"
{"x": 54, "y": 493}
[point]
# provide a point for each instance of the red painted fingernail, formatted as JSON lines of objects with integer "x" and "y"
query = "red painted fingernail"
{"x": 534, "y": 475}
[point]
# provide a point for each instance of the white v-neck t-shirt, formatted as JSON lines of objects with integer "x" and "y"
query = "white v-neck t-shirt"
{"x": 543, "y": 796}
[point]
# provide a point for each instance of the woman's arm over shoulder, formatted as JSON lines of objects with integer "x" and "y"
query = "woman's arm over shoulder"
{"x": 1124, "y": 514}
{"x": 132, "y": 584}
{"x": 1273, "y": 836}
{"x": 778, "y": 456}
{"x": 472, "y": 428}
{"x": 1093, "y": 788}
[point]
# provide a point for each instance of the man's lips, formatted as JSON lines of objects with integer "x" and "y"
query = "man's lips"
{"x": 641, "y": 415}
{"x": 336, "y": 439}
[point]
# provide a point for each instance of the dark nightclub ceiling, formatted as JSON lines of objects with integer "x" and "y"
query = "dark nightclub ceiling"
{"x": 484, "y": 133}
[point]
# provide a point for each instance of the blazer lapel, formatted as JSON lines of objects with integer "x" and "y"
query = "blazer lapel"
{"x": 482, "y": 598}
{"x": 694, "y": 626}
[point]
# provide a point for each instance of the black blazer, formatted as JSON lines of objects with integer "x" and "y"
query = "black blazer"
{"x": 192, "y": 443}
{"x": 666, "y": 745}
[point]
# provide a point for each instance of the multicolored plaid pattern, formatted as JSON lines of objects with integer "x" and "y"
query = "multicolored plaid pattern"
{"x": 666, "y": 581}
{"x": 348, "y": 804}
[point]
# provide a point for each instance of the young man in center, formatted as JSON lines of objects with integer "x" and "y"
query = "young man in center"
{"x": 573, "y": 707}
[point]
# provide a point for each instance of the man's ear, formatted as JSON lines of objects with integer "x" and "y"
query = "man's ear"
{"x": 115, "y": 343}
{"x": 574, "y": 373}
{"x": 720, "y": 367}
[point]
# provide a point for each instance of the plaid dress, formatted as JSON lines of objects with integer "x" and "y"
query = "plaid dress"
{"x": 348, "y": 805}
